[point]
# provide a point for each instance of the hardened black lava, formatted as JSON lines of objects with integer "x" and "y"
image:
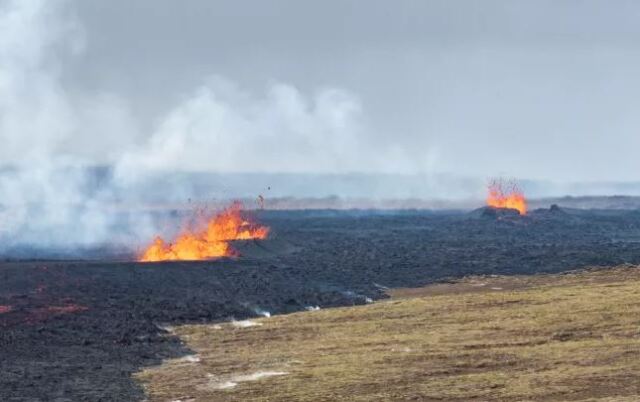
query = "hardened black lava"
{"x": 78, "y": 330}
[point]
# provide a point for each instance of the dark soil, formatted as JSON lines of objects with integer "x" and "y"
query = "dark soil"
{"x": 77, "y": 330}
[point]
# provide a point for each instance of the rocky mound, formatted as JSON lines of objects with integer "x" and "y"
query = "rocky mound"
{"x": 494, "y": 213}
{"x": 552, "y": 210}
{"x": 555, "y": 213}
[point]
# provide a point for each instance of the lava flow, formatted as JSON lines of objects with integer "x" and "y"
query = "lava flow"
{"x": 506, "y": 195}
{"x": 211, "y": 242}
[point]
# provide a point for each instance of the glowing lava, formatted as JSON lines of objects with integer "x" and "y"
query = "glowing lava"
{"x": 211, "y": 242}
{"x": 506, "y": 195}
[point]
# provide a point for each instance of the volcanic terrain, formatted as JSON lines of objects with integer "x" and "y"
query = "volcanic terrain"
{"x": 78, "y": 330}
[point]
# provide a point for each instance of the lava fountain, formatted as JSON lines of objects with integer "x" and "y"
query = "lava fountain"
{"x": 506, "y": 194}
{"x": 210, "y": 242}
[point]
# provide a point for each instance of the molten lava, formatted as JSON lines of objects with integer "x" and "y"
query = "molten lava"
{"x": 506, "y": 195}
{"x": 210, "y": 242}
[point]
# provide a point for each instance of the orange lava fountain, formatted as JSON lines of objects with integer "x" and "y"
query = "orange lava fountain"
{"x": 506, "y": 195}
{"x": 209, "y": 243}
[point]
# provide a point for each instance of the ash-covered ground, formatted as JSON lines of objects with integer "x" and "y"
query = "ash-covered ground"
{"x": 77, "y": 330}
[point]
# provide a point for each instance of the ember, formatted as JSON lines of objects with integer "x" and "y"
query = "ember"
{"x": 209, "y": 243}
{"x": 506, "y": 194}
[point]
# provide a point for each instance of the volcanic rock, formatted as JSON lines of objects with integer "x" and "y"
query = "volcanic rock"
{"x": 555, "y": 213}
{"x": 494, "y": 213}
{"x": 556, "y": 209}
{"x": 261, "y": 248}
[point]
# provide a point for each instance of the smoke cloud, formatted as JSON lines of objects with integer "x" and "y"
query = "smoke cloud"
{"x": 220, "y": 128}
{"x": 81, "y": 165}
{"x": 70, "y": 160}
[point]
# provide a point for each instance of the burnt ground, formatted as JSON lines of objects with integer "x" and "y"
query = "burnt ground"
{"x": 77, "y": 330}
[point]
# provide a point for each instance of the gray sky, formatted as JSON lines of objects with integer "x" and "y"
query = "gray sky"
{"x": 531, "y": 89}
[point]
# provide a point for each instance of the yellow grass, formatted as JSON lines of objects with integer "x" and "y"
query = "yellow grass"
{"x": 567, "y": 337}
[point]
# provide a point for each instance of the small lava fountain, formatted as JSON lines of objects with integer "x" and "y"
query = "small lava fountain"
{"x": 210, "y": 242}
{"x": 506, "y": 194}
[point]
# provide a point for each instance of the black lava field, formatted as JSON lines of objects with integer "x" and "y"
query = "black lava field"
{"x": 76, "y": 330}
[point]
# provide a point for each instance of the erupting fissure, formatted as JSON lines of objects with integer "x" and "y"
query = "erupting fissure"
{"x": 211, "y": 242}
{"x": 506, "y": 194}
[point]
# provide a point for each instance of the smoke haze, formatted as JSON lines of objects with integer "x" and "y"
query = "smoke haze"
{"x": 54, "y": 137}
{"x": 109, "y": 105}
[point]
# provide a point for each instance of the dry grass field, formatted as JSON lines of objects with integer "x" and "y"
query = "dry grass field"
{"x": 572, "y": 337}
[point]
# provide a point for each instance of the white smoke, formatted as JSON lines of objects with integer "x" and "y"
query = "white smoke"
{"x": 220, "y": 128}
{"x": 48, "y": 136}
{"x": 52, "y": 137}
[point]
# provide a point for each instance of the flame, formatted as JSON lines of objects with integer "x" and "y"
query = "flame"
{"x": 506, "y": 194}
{"x": 209, "y": 243}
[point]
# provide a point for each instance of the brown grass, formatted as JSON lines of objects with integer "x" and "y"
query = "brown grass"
{"x": 550, "y": 338}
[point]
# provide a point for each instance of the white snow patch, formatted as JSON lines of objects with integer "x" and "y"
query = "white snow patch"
{"x": 226, "y": 385}
{"x": 165, "y": 328}
{"x": 353, "y": 295}
{"x": 258, "y": 375}
{"x": 191, "y": 359}
{"x": 245, "y": 324}
{"x": 234, "y": 381}
{"x": 496, "y": 288}
{"x": 312, "y": 308}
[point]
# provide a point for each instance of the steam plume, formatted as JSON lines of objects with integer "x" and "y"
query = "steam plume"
{"x": 73, "y": 162}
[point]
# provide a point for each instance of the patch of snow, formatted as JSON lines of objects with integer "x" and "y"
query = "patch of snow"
{"x": 165, "y": 328}
{"x": 312, "y": 308}
{"x": 191, "y": 359}
{"x": 258, "y": 375}
{"x": 496, "y": 288}
{"x": 234, "y": 381}
{"x": 262, "y": 313}
{"x": 226, "y": 385}
{"x": 353, "y": 295}
{"x": 245, "y": 324}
